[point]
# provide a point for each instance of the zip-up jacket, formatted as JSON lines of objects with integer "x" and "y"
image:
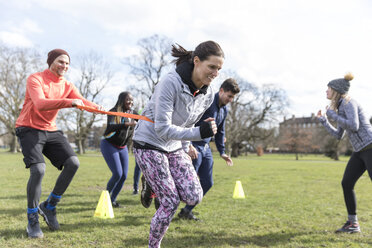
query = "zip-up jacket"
{"x": 350, "y": 117}
{"x": 118, "y": 134}
{"x": 45, "y": 95}
{"x": 219, "y": 114}
{"x": 175, "y": 110}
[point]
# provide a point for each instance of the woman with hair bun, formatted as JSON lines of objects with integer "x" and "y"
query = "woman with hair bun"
{"x": 178, "y": 102}
{"x": 350, "y": 117}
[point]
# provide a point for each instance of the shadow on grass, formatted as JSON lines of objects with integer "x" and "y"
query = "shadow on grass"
{"x": 13, "y": 197}
{"x": 13, "y": 211}
{"x": 19, "y": 233}
{"x": 205, "y": 239}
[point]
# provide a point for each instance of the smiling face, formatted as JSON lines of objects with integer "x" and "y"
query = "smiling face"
{"x": 207, "y": 70}
{"x": 60, "y": 65}
{"x": 128, "y": 104}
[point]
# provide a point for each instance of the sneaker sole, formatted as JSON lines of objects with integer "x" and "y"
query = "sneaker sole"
{"x": 46, "y": 220}
{"x": 34, "y": 237}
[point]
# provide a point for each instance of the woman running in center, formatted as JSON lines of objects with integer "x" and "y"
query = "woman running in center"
{"x": 178, "y": 102}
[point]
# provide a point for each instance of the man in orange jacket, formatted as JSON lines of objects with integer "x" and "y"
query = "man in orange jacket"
{"x": 46, "y": 93}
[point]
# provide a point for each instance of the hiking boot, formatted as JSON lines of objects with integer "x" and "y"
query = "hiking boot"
{"x": 157, "y": 203}
{"x": 187, "y": 215}
{"x": 50, "y": 216}
{"x": 33, "y": 226}
{"x": 146, "y": 193}
{"x": 349, "y": 227}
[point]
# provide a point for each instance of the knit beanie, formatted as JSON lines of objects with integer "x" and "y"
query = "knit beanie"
{"x": 341, "y": 85}
{"x": 52, "y": 55}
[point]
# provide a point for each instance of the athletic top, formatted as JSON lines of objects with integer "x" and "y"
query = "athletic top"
{"x": 352, "y": 119}
{"x": 175, "y": 110}
{"x": 45, "y": 95}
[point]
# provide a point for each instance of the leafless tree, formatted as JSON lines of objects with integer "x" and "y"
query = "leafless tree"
{"x": 92, "y": 77}
{"x": 297, "y": 140}
{"x": 251, "y": 114}
{"x": 148, "y": 66}
{"x": 16, "y": 64}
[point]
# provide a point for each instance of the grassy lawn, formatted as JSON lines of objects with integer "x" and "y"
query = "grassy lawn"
{"x": 288, "y": 203}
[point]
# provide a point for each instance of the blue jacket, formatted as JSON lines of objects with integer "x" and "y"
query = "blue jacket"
{"x": 219, "y": 115}
{"x": 350, "y": 117}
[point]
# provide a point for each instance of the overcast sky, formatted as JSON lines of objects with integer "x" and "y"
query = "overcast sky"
{"x": 297, "y": 45}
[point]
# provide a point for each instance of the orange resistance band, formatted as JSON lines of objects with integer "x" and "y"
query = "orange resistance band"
{"x": 96, "y": 111}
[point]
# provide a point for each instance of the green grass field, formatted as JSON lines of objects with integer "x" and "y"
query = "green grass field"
{"x": 288, "y": 204}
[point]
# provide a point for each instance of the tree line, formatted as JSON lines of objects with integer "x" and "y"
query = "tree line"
{"x": 252, "y": 117}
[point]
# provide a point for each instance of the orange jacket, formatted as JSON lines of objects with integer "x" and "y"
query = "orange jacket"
{"x": 45, "y": 95}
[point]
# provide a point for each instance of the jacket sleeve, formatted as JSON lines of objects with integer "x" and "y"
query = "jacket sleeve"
{"x": 337, "y": 133}
{"x": 112, "y": 126}
{"x": 74, "y": 94}
{"x": 38, "y": 98}
{"x": 165, "y": 96}
{"x": 351, "y": 121}
{"x": 220, "y": 136}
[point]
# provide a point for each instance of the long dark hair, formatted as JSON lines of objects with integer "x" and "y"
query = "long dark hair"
{"x": 203, "y": 51}
{"x": 120, "y": 104}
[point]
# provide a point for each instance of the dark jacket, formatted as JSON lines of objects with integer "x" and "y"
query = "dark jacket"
{"x": 118, "y": 134}
{"x": 219, "y": 114}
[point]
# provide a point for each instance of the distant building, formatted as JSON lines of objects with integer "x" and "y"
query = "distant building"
{"x": 301, "y": 134}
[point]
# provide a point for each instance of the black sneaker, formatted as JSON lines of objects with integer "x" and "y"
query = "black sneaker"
{"x": 157, "y": 203}
{"x": 33, "y": 226}
{"x": 135, "y": 192}
{"x": 115, "y": 204}
{"x": 50, "y": 216}
{"x": 186, "y": 215}
{"x": 146, "y": 193}
{"x": 349, "y": 227}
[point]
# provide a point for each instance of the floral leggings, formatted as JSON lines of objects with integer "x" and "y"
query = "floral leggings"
{"x": 173, "y": 179}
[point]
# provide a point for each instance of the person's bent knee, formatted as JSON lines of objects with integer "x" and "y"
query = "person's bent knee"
{"x": 173, "y": 205}
{"x": 196, "y": 199}
{"x": 72, "y": 163}
{"x": 37, "y": 169}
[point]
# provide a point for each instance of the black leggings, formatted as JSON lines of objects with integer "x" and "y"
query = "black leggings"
{"x": 37, "y": 171}
{"x": 358, "y": 163}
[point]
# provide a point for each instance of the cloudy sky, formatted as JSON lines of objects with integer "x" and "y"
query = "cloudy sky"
{"x": 297, "y": 45}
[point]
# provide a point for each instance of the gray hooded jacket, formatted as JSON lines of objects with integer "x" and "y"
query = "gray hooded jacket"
{"x": 350, "y": 117}
{"x": 174, "y": 110}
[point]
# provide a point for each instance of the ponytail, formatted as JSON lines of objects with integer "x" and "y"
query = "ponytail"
{"x": 181, "y": 54}
{"x": 203, "y": 51}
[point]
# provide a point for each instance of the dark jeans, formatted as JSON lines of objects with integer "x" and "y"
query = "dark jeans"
{"x": 204, "y": 168}
{"x": 136, "y": 176}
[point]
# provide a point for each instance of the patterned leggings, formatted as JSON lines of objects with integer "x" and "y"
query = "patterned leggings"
{"x": 173, "y": 179}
